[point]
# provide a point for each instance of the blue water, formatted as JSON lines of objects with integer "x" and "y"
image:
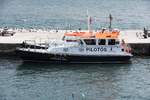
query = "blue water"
{"x": 36, "y": 81}
{"x": 71, "y": 14}
{"x": 45, "y": 81}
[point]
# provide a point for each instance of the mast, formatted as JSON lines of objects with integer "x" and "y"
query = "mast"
{"x": 89, "y": 26}
{"x": 110, "y": 22}
{"x": 89, "y": 20}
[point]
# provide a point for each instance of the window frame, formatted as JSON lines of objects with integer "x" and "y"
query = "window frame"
{"x": 93, "y": 42}
{"x": 111, "y": 42}
{"x": 105, "y": 43}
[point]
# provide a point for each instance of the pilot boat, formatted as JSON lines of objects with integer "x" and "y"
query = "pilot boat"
{"x": 81, "y": 47}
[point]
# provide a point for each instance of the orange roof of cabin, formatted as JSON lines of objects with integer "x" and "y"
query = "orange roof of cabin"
{"x": 80, "y": 34}
{"x": 98, "y": 35}
{"x": 74, "y": 33}
{"x": 104, "y": 35}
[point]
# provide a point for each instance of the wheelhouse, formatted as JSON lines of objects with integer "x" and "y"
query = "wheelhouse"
{"x": 92, "y": 41}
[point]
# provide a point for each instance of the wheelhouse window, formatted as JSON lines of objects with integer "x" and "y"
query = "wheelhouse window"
{"x": 70, "y": 38}
{"x": 90, "y": 41}
{"x": 111, "y": 42}
{"x": 102, "y": 42}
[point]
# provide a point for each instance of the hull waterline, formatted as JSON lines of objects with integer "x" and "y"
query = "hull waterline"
{"x": 45, "y": 57}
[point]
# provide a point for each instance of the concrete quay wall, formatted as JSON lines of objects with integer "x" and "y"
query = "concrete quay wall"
{"x": 139, "y": 44}
{"x": 8, "y": 49}
{"x": 8, "y": 44}
{"x": 140, "y": 49}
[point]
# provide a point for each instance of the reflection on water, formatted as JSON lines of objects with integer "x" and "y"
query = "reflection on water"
{"x": 48, "y": 81}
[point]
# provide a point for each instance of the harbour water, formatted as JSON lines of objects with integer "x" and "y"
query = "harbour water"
{"x": 64, "y": 14}
{"x": 44, "y": 81}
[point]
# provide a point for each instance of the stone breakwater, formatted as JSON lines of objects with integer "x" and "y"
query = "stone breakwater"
{"x": 135, "y": 38}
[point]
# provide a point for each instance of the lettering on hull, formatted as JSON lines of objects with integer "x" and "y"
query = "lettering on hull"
{"x": 101, "y": 49}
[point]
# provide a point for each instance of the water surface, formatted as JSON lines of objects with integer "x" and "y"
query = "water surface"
{"x": 71, "y": 14}
{"x": 45, "y": 81}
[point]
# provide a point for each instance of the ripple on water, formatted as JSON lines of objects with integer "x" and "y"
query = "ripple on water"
{"x": 72, "y": 14}
{"x": 38, "y": 81}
